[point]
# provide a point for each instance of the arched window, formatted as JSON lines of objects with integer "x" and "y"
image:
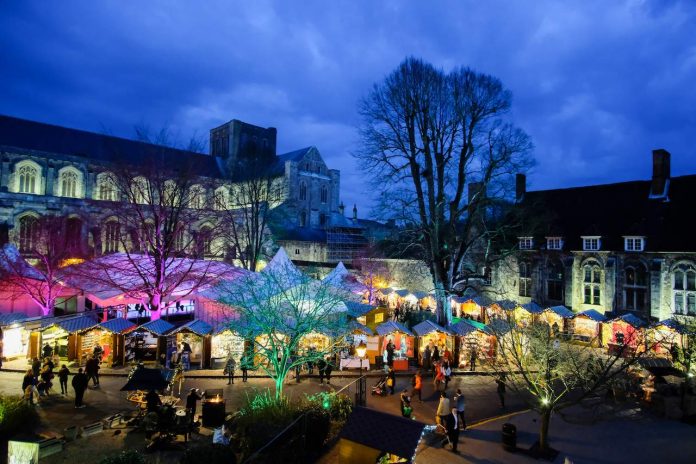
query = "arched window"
{"x": 28, "y": 178}
{"x": 106, "y": 187}
{"x": 147, "y": 238}
{"x": 205, "y": 237}
{"x": 73, "y": 234}
{"x": 112, "y": 236}
{"x": 303, "y": 219}
{"x": 28, "y": 233}
{"x": 592, "y": 283}
{"x": 324, "y": 194}
{"x": 684, "y": 290}
{"x": 140, "y": 191}
{"x": 322, "y": 219}
{"x": 635, "y": 287}
{"x": 179, "y": 239}
{"x": 554, "y": 282}
{"x": 303, "y": 191}
{"x": 221, "y": 202}
{"x": 197, "y": 197}
{"x": 69, "y": 180}
{"x": 525, "y": 279}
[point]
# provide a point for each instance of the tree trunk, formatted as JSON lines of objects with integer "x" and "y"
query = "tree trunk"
{"x": 544, "y": 431}
{"x": 444, "y": 311}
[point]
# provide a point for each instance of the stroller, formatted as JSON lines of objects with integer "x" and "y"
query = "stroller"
{"x": 380, "y": 387}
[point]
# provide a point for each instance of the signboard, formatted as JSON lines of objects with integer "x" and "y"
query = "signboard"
{"x": 22, "y": 452}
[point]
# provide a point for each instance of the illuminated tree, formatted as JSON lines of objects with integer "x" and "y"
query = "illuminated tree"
{"x": 277, "y": 310}
{"x": 552, "y": 374}
{"x": 443, "y": 154}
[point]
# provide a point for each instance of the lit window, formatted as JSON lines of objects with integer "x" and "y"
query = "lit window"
{"x": 526, "y": 243}
{"x": 633, "y": 243}
{"x": 684, "y": 290}
{"x": 324, "y": 194}
{"x": 525, "y": 279}
{"x": 554, "y": 282}
{"x": 197, "y": 197}
{"x": 28, "y": 233}
{"x": 635, "y": 287}
{"x": 221, "y": 198}
{"x": 68, "y": 183}
{"x": 592, "y": 284}
{"x": 297, "y": 251}
{"x": 28, "y": 178}
{"x": 140, "y": 191}
{"x": 554, "y": 243}
{"x": 106, "y": 187}
{"x": 112, "y": 236}
{"x": 591, "y": 243}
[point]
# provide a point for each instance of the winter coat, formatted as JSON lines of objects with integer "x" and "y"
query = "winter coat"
{"x": 63, "y": 374}
{"x": 79, "y": 381}
{"x": 443, "y": 408}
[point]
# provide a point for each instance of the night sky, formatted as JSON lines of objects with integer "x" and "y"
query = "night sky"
{"x": 597, "y": 84}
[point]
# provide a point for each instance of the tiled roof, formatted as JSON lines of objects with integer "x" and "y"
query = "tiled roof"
{"x": 508, "y": 305}
{"x": 382, "y": 431}
{"x": 391, "y": 326}
{"x": 279, "y": 165}
{"x": 672, "y": 324}
{"x": 196, "y": 326}
{"x": 532, "y": 307}
{"x": 77, "y": 324}
{"x": 428, "y": 326}
{"x": 562, "y": 311}
{"x": 10, "y": 318}
{"x": 49, "y": 139}
{"x": 118, "y": 325}
{"x": 592, "y": 314}
{"x": 466, "y": 326}
{"x": 630, "y": 319}
{"x": 157, "y": 327}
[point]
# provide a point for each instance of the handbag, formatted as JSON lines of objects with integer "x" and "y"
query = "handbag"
{"x": 390, "y": 382}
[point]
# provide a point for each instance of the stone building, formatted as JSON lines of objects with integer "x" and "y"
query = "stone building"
{"x": 615, "y": 248}
{"x": 48, "y": 169}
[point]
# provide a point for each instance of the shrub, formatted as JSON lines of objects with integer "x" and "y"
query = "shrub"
{"x": 16, "y": 416}
{"x": 338, "y": 406}
{"x": 124, "y": 457}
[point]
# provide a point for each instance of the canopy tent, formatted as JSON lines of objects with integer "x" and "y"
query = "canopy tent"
{"x": 341, "y": 278}
{"x": 284, "y": 270}
{"x": 143, "y": 378}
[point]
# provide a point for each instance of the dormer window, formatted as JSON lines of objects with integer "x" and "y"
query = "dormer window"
{"x": 634, "y": 243}
{"x": 591, "y": 243}
{"x": 526, "y": 243}
{"x": 554, "y": 243}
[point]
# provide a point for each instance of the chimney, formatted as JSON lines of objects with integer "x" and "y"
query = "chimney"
{"x": 661, "y": 174}
{"x": 342, "y": 209}
{"x": 520, "y": 187}
{"x": 474, "y": 188}
{"x": 355, "y": 211}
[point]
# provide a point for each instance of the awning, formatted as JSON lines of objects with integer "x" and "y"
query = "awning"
{"x": 466, "y": 326}
{"x": 386, "y": 291}
{"x": 593, "y": 315}
{"x": 157, "y": 327}
{"x": 390, "y": 326}
{"x": 421, "y": 295}
{"x": 118, "y": 325}
{"x": 428, "y": 326}
{"x": 197, "y": 327}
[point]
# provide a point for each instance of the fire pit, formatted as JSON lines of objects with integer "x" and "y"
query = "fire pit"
{"x": 213, "y": 413}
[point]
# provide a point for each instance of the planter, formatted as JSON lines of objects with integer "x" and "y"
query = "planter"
{"x": 70, "y": 433}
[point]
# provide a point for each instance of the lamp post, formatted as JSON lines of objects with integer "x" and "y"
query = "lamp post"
{"x": 361, "y": 350}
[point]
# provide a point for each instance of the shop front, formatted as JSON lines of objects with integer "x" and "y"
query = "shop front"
{"x": 60, "y": 337}
{"x": 194, "y": 335}
{"x": 433, "y": 335}
{"x": 587, "y": 327}
{"x": 358, "y": 333}
{"x": 147, "y": 343}
{"x": 501, "y": 309}
{"x": 557, "y": 318}
{"x": 14, "y": 336}
{"x": 473, "y": 337}
{"x": 625, "y": 334}
{"x": 403, "y": 340}
{"x": 527, "y": 313}
{"x": 224, "y": 342}
{"x": 110, "y": 337}
{"x": 664, "y": 335}
{"x": 470, "y": 307}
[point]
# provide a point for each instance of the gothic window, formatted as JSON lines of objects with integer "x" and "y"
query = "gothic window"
{"x": 221, "y": 198}
{"x": 525, "y": 279}
{"x": 69, "y": 180}
{"x": 324, "y": 194}
{"x": 303, "y": 191}
{"x": 106, "y": 187}
{"x": 635, "y": 287}
{"x": 171, "y": 194}
{"x": 303, "y": 219}
{"x": 685, "y": 290}
{"x": 28, "y": 179}
{"x": 197, "y": 197}
{"x": 179, "y": 238}
{"x": 554, "y": 282}
{"x": 140, "y": 191}
{"x": 112, "y": 236}
{"x": 205, "y": 237}
{"x": 28, "y": 233}
{"x": 592, "y": 282}
{"x": 146, "y": 236}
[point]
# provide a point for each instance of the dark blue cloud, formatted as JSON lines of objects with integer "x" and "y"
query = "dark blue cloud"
{"x": 597, "y": 84}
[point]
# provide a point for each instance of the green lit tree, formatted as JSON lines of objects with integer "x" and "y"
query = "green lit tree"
{"x": 552, "y": 374}
{"x": 276, "y": 310}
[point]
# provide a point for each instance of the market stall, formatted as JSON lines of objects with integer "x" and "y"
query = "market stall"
{"x": 110, "y": 336}
{"x": 664, "y": 335}
{"x": 501, "y": 309}
{"x": 431, "y": 334}
{"x": 425, "y": 301}
{"x": 223, "y": 342}
{"x": 527, "y": 313}
{"x": 587, "y": 327}
{"x": 359, "y": 311}
{"x": 14, "y": 336}
{"x": 470, "y": 307}
{"x": 557, "y": 318}
{"x": 625, "y": 334}
{"x": 195, "y": 335}
{"x": 147, "y": 342}
{"x": 472, "y": 336}
{"x": 62, "y": 335}
{"x": 383, "y": 295}
{"x": 357, "y": 333}
{"x": 402, "y": 339}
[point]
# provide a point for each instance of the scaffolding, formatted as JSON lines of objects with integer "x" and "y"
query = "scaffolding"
{"x": 345, "y": 243}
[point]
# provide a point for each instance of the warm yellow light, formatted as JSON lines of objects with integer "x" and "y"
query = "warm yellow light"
{"x": 361, "y": 349}
{"x": 260, "y": 264}
{"x": 71, "y": 261}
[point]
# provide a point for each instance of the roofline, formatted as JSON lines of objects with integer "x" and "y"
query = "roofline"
{"x": 647, "y": 181}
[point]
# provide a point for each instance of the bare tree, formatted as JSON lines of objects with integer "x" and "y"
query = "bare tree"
{"x": 440, "y": 149}
{"x": 277, "y": 312}
{"x": 552, "y": 374}
{"x": 49, "y": 243}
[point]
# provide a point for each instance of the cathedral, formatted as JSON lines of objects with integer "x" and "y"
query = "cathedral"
{"x": 53, "y": 170}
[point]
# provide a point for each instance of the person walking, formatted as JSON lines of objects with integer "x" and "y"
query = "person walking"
{"x": 321, "y": 368}
{"x": 472, "y": 360}
{"x": 28, "y": 385}
{"x": 327, "y": 370}
{"x": 245, "y": 366}
{"x": 390, "y": 354}
{"x": 501, "y": 389}
{"x": 79, "y": 384}
{"x": 460, "y": 405}
{"x": 453, "y": 429}
{"x": 406, "y": 408}
{"x": 443, "y": 408}
{"x": 46, "y": 377}
{"x": 92, "y": 370}
{"x": 426, "y": 358}
{"x": 436, "y": 355}
{"x": 230, "y": 366}
{"x": 192, "y": 402}
{"x": 186, "y": 355}
{"x": 446, "y": 372}
{"x": 391, "y": 380}
{"x": 36, "y": 367}
{"x": 439, "y": 380}
{"x": 47, "y": 351}
{"x": 417, "y": 386}
{"x": 63, "y": 374}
